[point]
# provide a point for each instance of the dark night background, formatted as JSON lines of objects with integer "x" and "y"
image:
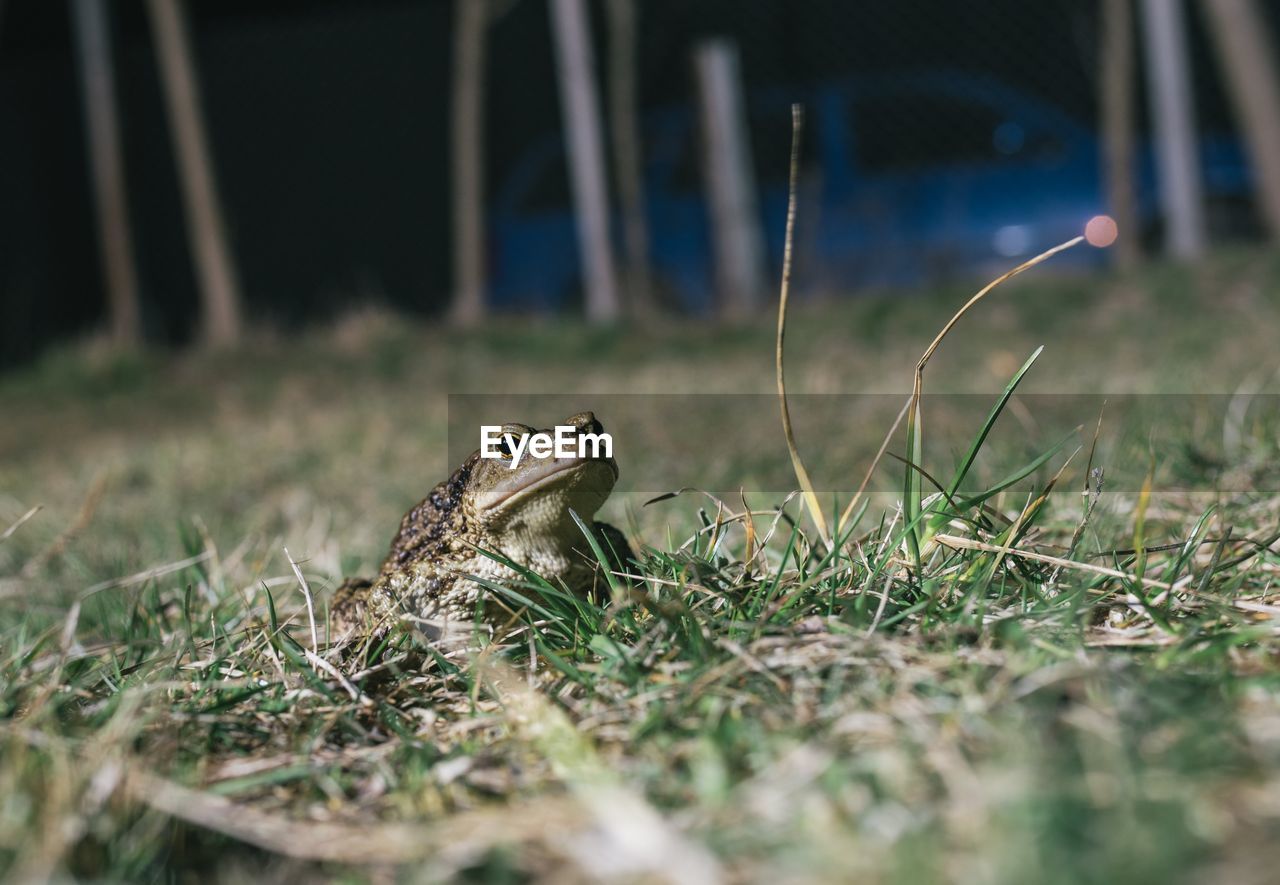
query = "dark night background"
{"x": 329, "y": 129}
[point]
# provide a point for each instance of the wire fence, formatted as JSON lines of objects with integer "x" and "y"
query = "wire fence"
{"x": 942, "y": 138}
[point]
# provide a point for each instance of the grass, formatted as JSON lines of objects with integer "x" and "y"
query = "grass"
{"x": 1049, "y": 687}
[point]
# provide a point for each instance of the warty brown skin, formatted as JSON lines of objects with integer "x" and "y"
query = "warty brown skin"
{"x": 522, "y": 515}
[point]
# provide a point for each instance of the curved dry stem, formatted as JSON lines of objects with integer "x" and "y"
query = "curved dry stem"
{"x": 802, "y": 475}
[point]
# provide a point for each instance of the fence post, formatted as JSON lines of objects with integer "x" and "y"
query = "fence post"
{"x": 1248, "y": 59}
{"x": 219, "y": 288}
{"x": 1177, "y": 156}
{"x": 628, "y": 165}
{"x": 106, "y": 163}
{"x": 1117, "y": 85}
{"x": 585, "y": 156}
{"x": 727, "y": 170}
{"x": 471, "y": 21}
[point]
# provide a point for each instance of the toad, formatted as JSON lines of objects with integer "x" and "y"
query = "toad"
{"x": 517, "y": 510}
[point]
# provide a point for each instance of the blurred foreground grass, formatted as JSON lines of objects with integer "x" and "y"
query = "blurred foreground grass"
{"x": 767, "y": 707}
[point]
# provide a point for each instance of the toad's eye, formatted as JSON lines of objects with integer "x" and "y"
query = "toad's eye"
{"x": 505, "y": 446}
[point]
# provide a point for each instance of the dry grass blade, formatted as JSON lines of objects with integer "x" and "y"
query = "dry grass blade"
{"x": 958, "y": 543}
{"x": 347, "y": 685}
{"x": 306, "y": 593}
{"x": 871, "y": 468}
{"x": 1182, "y": 585}
{"x": 146, "y": 574}
{"x": 982, "y": 293}
{"x": 454, "y": 842}
{"x": 1092, "y": 487}
{"x": 1030, "y": 510}
{"x": 913, "y": 402}
{"x": 630, "y": 837}
{"x": 308, "y": 840}
{"x": 802, "y": 475}
{"x": 17, "y": 525}
{"x": 92, "y": 498}
{"x": 914, "y": 416}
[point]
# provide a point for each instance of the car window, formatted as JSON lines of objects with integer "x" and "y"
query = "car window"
{"x": 897, "y": 133}
{"x": 769, "y": 131}
{"x": 549, "y": 189}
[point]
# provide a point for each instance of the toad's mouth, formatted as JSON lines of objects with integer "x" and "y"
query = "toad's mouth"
{"x": 544, "y": 474}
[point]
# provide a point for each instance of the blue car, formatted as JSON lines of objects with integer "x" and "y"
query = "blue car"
{"x": 905, "y": 180}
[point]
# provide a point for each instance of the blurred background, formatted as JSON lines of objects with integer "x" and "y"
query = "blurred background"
{"x": 172, "y": 172}
{"x": 266, "y": 264}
